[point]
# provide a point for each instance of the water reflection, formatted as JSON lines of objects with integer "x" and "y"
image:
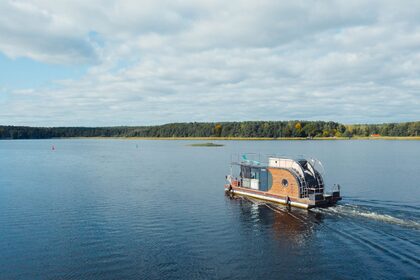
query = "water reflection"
{"x": 293, "y": 226}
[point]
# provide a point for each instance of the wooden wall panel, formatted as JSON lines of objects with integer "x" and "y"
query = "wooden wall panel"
{"x": 292, "y": 190}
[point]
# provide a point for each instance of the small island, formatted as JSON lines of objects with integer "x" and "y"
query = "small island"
{"x": 209, "y": 144}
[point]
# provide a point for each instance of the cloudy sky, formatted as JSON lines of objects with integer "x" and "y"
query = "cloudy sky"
{"x": 100, "y": 63}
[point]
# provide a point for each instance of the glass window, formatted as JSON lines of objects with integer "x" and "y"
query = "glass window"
{"x": 245, "y": 172}
{"x": 255, "y": 173}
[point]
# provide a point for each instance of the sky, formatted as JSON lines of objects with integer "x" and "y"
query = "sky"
{"x": 107, "y": 63}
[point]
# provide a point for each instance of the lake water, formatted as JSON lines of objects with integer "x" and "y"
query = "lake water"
{"x": 119, "y": 209}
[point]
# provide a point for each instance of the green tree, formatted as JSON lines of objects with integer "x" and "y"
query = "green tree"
{"x": 310, "y": 129}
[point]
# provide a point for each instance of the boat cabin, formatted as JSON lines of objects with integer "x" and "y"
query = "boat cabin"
{"x": 290, "y": 180}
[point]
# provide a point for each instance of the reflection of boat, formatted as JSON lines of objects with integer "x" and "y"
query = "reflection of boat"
{"x": 294, "y": 182}
{"x": 294, "y": 227}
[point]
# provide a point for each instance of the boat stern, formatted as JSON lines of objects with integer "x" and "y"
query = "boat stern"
{"x": 325, "y": 199}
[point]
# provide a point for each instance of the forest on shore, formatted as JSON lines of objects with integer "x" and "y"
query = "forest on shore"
{"x": 245, "y": 129}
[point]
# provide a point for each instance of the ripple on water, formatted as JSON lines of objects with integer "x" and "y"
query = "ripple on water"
{"x": 102, "y": 210}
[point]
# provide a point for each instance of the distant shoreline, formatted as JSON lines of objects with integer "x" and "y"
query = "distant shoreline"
{"x": 244, "y": 138}
{"x": 246, "y": 130}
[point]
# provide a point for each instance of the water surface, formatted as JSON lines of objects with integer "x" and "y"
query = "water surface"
{"x": 118, "y": 209}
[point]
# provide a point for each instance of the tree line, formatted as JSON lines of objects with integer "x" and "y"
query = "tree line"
{"x": 267, "y": 129}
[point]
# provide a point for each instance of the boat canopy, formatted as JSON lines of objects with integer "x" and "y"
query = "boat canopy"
{"x": 287, "y": 163}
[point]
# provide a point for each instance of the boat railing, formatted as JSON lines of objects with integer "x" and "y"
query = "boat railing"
{"x": 320, "y": 182}
{"x": 315, "y": 191}
{"x": 315, "y": 172}
{"x": 248, "y": 158}
{"x": 303, "y": 188}
{"x": 336, "y": 188}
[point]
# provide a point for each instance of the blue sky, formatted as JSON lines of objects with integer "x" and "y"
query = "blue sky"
{"x": 101, "y": 63}
{"x": 23, "y": 72}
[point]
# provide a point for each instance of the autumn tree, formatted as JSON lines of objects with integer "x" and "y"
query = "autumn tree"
{"x": 218, "y": 129}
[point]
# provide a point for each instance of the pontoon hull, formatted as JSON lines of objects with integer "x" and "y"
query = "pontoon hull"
{"x": 327, "y": 200}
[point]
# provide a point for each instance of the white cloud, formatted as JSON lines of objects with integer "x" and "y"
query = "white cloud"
{"x": 157, "y": 61}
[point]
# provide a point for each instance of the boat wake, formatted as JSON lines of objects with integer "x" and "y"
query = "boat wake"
{"x": 391, "y": 237}
{"x": 357, "y": 211}
{"x": 351, "y": 210}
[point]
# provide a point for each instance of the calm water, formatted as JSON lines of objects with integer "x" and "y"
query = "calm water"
{"x": 116, "y": 209}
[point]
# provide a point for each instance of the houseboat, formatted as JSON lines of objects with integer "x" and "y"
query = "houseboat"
{"x": 293, "y": 182}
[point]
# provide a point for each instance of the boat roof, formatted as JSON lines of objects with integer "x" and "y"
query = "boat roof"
{"x": 257, "y": 164}
{"x": 251, "y": 164}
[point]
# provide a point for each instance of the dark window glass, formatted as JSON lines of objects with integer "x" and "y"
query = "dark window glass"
{"x": 245, "y": 171}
